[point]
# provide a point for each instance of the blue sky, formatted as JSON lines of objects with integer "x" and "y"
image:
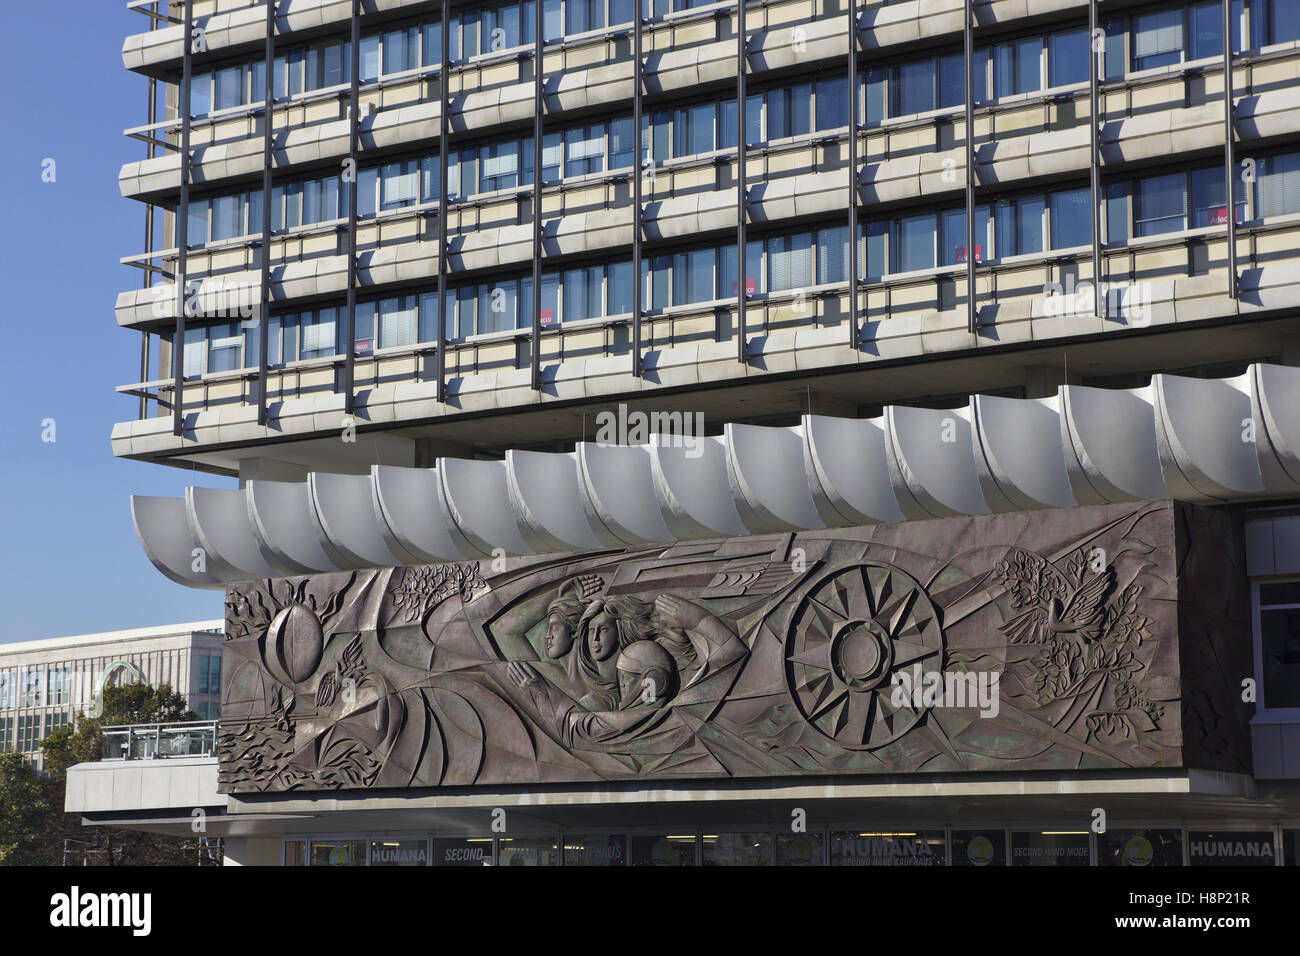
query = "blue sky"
{"x": 70, "y": 562}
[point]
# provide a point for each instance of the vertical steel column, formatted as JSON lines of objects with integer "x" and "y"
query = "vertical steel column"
{"x": 535, "y": 351}
{"x": 1100, "y": 305}
{"x": 972, "y": 314}
{"x": 444, "y": 83}
{"x": 150, "y": 152}
{"x": 742, "y": 197}
{"x": 1229, "y": 157}
{"x": 182, "y": 220}
{"x": 268, "y": 157}
{"x": 853, "y": 174}
{"x": 637, "y": 146}
{"x": 354, "y": 139}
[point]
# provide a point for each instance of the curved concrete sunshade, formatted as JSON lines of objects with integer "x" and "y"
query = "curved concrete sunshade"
{"x": 413, "y": 521}
{"x": 1203, "y": 432}
{"x": 768, "y": 482}
{"x": 847, "y": 470}
{"x": 930, "y": 460}
{"x": 345, "y": 518}
{"x": 163, "y": 528}
{"x": 618, "y": 493}
{"x": 1180, "y": 438}
{"x": 219, "y": 520}
{"x": 1019, "y": 460}
{"x": 281, "y": 516}
{"x": 547, "y": 500}
{"x": 1109, "y": 439}
{"x": 692, "y": 488}
{"x": 477, "y": 496}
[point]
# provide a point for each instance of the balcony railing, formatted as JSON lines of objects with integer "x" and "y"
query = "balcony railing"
{"x": 155, "y": 741}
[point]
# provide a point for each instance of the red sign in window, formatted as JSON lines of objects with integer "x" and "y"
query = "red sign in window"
{"x": 548, "y": 317}
{"x": 1218, "y": 216}
{"x": 363, "y": 346}
{"x": 960, "y": 253}
{"x": 751, "y": 286}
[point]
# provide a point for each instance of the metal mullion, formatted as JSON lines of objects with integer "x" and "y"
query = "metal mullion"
{"x": 972, "y": 320}
{"x": 637, "y": 146}
{"x": 263, "y": 310}
{"x": 354, "y": 137}
{"x": 535, "y": 357}
{"x": 742, "y": 161}
{"x": 1229, "y": 159}
{"x": 853, "y": 174}
{"x": 444, "y": 82}
{"x": 150, "y": 152}
{"x": 1094, "y": 183}
{"x": 182, "y": 219}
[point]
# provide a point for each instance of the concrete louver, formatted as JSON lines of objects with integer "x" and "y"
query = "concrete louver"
{"x": 1208, "y": 440}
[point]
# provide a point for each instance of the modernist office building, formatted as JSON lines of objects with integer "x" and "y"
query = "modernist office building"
{"x": 967, "y": 557}
{"x": 48, "y": 684}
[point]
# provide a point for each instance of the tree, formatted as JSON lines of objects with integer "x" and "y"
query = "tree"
{"x": 68, "y": 746}
{"x": 25, "y": 811}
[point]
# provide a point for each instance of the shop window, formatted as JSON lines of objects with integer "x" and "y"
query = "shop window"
{"x": 662, "y": 849}
{"x": 1279, "y": 644}
{"x": 463, "y": 851}
{"x": 736, "y": 849}
{"x": 1140, "y": 848}
{"x": 979, "y": 848}
{"x": 800, "y": 849}
{"x": 595, "y": 849}
{"x": 903, "y": 848}
{"x": 409, "y": 852}
{"x": 1231, "y": 848}
{"x": 1046, "y": 848}
{"x": 528, "y": 851}
{"x": 338, "y": 853}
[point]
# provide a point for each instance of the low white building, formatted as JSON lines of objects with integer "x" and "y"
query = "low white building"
{"x": 45, "y": 684}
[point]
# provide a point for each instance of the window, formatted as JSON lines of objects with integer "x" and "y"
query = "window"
{"x": 832, "y": 255}
{"x": 1157, "y": 39}
{"x": 788, "y": 111}
{"x": 1160, "y": 204}
{"x": 193, "y": 355}
{"x": 621, "y": 134}
{"x": 584, "y": 15}
{"x": 953, "y": 241}
{"x": 1067, "y": 58}
{"x": 6, "y": 734}
{"x": 1277, "y": 190}
{"x": 916, "y": 237}
{"x": 399, "y": 184}
{"x": 209, "y": 674}
{"x": 400, "y": 48}
{"x": 913, "y": 88}
{"x": 201, "y": 94}
{"x": 223, "y": 347}
{"x": 8, "y": 690}
{"x": 1070, "y": 211}
{"x": 1279, "y": 644}
{"x": 431, "y": 54}
{"x": 1282, "y": 21}
{"x": 1018, "y": 227}
{"x": 318, "y": 333}
{"x": 832, "y": 103}
{"x": 58, "y": 685}
{"x": 369, "y": 57}
{"x": 1208, "y": 206}
{"x": 584, "y": 150}
{"x": 1017, "y": 67}
{"x": 790, "y": 262}
{"x": 29, "y": 732}
{"x": 500, "y": 166}
{"x": 693, "y": 130}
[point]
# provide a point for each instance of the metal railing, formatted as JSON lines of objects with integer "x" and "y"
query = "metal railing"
{"x": 155, "y": 741}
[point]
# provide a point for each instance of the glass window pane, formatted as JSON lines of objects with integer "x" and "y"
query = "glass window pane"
{"x": 1071, "y": 216}
{"x": 225, "y": 217}
{"x": 832, "y": 255}
{"x": 917, "y": 236}
{"x": 952, "y": 80}
{"x": 1283, "y": 21}
{"x": 727, "y": 120}
{"x": 552, "y": 156}
{"x": 370, "y": 58}
{"x": 196, "y": 231}
{"x": 432, "y": 49}
{"x": 230, "y": 88}
{"x": 1160, "y": 204}
{"x": 1067, "y": 57}
{"x": 397, "y": 321}
{"x": 832, "y": 104}
{"x": 620, "y": 289}
{"x": 753, "y": 119}
{"x": 801, "y": 109}
{"x": 1157, "y": 39}
{"x": 875, "y": 94}
{"x": 1029, "y": 226}
{"x": 395, "y": 51}
{"x": 620, "y": 143}
{"x": 877, "y": 236}
{"x": 223, "y": 347}
{"x": 1278, "y": 185}
{"x": 914, "y": 87}
{"x": 201, "y": 94}
{"x": 550, "y": 313}
{"x": 195, "y": 346}
{"x": 1206, "y": 20}
{"x": 551, "y": 21}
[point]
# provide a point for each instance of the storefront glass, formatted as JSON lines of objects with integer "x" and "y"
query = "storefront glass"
{"x": 607, "y": 849}
{"x": 904, "y": 848}
{"x": 338, "y": 852}
{"x": 800, "y": 849}
{"x": 979, "y": 847}
{"x": 1231, "y": 848}
{"x": 465, "y": 851}
{"x": 669, "y": 849}
{"x": 736, "y": 849}
{"x": 528, "y": 851}
{"x": 1049, "y": 848}
{"x": 410, "y": 852}
{"x": 1140, "y": 848}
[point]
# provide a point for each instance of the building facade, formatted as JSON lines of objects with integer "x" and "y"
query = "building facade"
{"x": 791, "y": 431}
{"x": 48, "y": 684}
